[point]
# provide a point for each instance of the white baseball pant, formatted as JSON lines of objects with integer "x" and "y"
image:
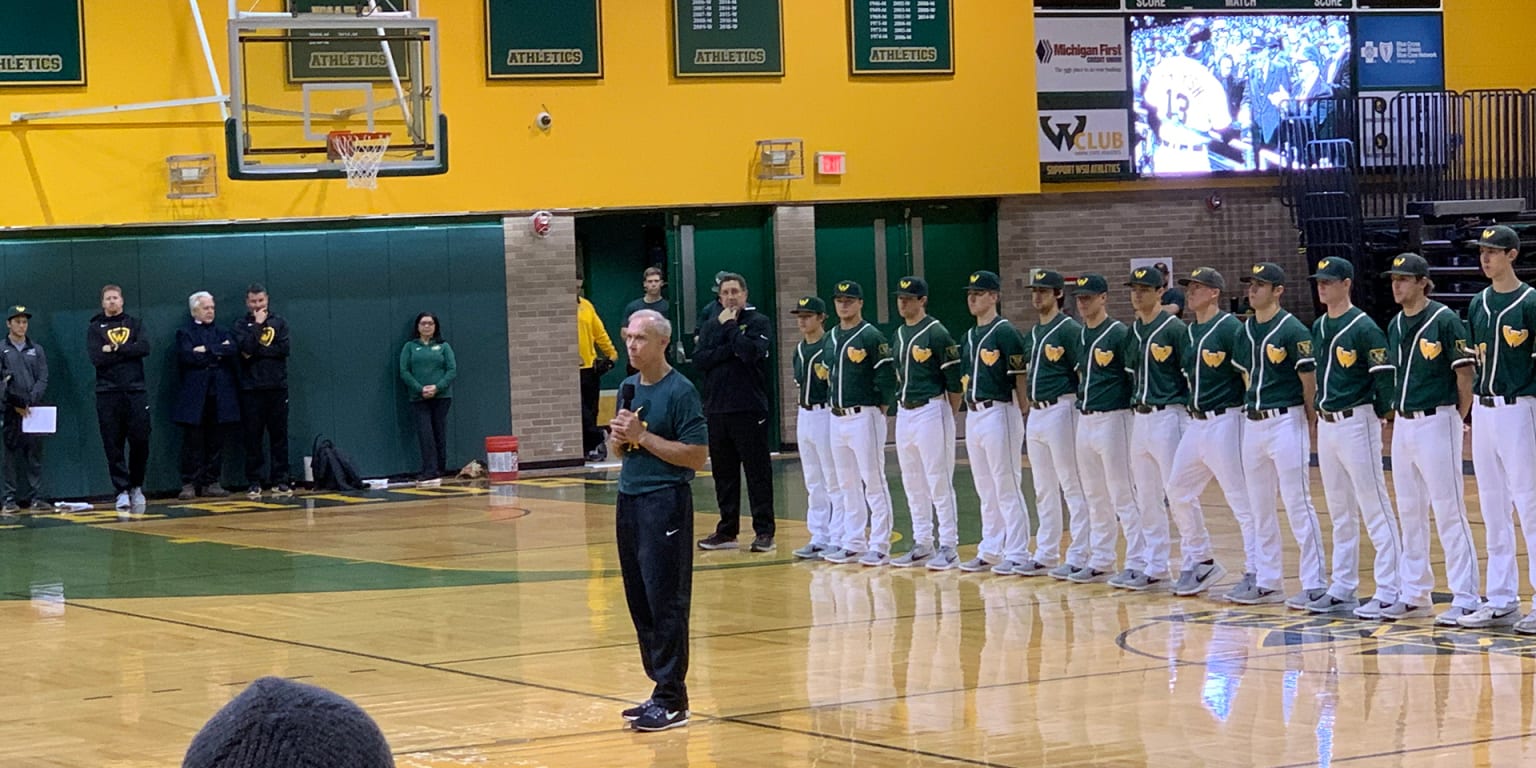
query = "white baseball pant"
{"x": 925, "y": 451}
{"x": 992, "y": 439}
{"x": 823, "y": 511}
{"x": 1349, "y": 457}
{"x": 1051, "y": 442}
{"x": 1103, "y": 456}
{"x": 858, "y": 453}
{"x": 1427, "y": 474}
{"x": 1278, "y": 450}
{"x": 1154, "y": 442}
{"x": 1209, "y": 449}
{"x": 1503, "y": 457}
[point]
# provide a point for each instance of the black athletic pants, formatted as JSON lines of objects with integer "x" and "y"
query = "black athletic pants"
{"x": 124, "y": 416}
{"x": 432, "y": 434}
{"x": 202, "y": 448}
{"x": 591, "y": 433}
{"x": 265, "y": 411}
{"x": 654, "y": 532}
{"x": 739, "y": 441}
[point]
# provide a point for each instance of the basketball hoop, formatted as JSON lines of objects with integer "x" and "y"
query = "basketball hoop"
{"x": 360, "y": 154}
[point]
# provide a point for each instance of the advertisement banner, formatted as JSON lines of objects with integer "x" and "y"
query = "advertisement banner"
{"x": 1078, "y": 144}
{"x": 1400, "y": 52}
{"x": 1076, "y": 55}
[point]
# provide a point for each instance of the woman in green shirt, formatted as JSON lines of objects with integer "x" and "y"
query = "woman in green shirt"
{"x": 427, "y": 368}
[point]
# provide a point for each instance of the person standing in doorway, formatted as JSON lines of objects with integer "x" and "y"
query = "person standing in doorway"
{"x": 263, "y": 340}
{"x": 117, "y": 347}
{"x": 652, "y": 283}
{"x": 597, "y": 355}
{"x": 428, "y": 368}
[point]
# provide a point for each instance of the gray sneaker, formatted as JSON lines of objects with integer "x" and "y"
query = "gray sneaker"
{"x": 1330, "y": 604}
{"x": 1141, "y": 582}
{"x": 917, "y": 555}
{"x": 1246, "y": 584}
{"x": 1062, "y": 572}
{"x": 1491, "y": 616}
{"x": 1527, "y": 625}
{"x": 136, "y": 497}
{"x": 1030, "y": 568}
{"x": 976, "y": 564}
{"x": 1256, "y": 595}
{"x": 1451, "y": 617}
{"x": 1119, "y": 578}
{"x": 811, "y": 551}
{"x": 840, "y": 556}
{"x": 1088, "y": 575}
{"x": 1199, "y": 578}
{"x": 1006, "y": 567}
{"x": 873, "y": 558}
{"x": 945, "y": 559}
{"x": 1372, "y": 609}
{"x": 1298, "y": 601}
{"x": 1400, "y": 610}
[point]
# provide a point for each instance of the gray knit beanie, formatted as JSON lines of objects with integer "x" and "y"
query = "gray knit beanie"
{"x": 277, "y": 723}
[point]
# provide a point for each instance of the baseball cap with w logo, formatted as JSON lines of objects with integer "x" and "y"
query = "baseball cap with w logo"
{"x": 1147, "y": 276}
{"x": 847, "y": 289}
{"x": 1499, "y": 236}
{"x": 1408, "y": 264}
{"x": 982, "y": 280}
{"x": 913, "y": 286}
{"x": 1045, "y": 278}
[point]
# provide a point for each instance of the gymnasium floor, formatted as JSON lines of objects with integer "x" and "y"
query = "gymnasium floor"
{"x": 486, "y": 627}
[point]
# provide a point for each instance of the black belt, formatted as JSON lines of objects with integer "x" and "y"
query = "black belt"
{"x": 849, "y": 411}
{"x": 981, "y": 405}
{"x": 1494, "y": 401}
{"x": 1418, "y": 414}
{"x": 1142, "y": 408}
{"x": 1267, "y": 413}
{"x": 1086, "y": 412}
{"x": 1203, "y": 415}
{"x": 816, "y": 407}
{"x": 912, "y": 405}
{"x": 1335, "y": 416}
{"x": 1041, "y": 405}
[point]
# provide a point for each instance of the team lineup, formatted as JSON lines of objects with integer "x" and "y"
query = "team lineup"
{"x": 1125, "y": 424}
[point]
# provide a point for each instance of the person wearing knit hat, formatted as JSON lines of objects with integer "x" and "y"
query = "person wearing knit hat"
{"x": 277, "y": 723}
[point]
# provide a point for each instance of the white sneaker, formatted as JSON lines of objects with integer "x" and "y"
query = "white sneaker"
{"x": 124, "y": 501}
{"x": 945, "y": 559}
{"x": 976, "y": 564}
{"x": 136, "y": 496}
{"x": 1005, "y": 568}
{"x": 1400, "y": 610}
{"x": 872, "y": 559}
{"x": 1527, "y": 625}
{"x": 917, "y": 555}
{"x": 1451, "y": 617}
{"x": 1491, "y": 616}
{"x": 1372, "y": 609}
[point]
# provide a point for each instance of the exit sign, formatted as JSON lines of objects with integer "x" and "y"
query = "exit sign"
{"x": 831, "y": 163}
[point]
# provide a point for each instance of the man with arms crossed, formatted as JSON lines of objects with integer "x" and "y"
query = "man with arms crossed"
{"x": 117, "y": 346}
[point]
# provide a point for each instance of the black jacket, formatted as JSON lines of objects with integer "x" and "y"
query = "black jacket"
{"x": 26, "y": 373}
{"x": 207, "y": 374}
{"x": 121, "y": 370}
{"x": 263, "y": 352}
{"x": 734, "y": 359}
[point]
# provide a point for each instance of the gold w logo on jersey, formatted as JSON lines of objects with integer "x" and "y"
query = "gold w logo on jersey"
{"x": 1016, "y": 362}
{"x": 119, "y": 335}
{"x": 857, "y": 355}
{"x": 1346, "y": 357}
{"x": 1161, "y": 353}
{"x": 1212, "y": 358}
{"x": 1513, "y": 337}
{"x": 921, "y": 354}
{"x": 267, "y": 335}
{"x": 822, "y": 371}
{"x": 1429, "y": 349}
{"x": 1304, "y": 347}
{"x": 1054, "y": 354}
{"x": 1103, "y": 357}
{"x": 1275, "y": 354}
{"x": 989, "y": 357}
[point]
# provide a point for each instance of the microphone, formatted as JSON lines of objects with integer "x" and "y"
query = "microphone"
{"x": 626, "y": 395}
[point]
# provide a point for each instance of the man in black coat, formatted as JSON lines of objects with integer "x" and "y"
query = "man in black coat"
{"x": 117, "y": 345}
{"x": 26, "y": 379}
{"x": 262, "y": 337}
{"x": 208, "y": 400}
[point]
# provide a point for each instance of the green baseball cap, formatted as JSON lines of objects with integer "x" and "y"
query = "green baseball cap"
{"x": 1265, "y": 272}
{"x": 1205, "y": 276}
{"x": 1045, "y": 278}
{"x": 809, "y": 305}
{"x": 1334, "y": 268}
{"x": 847, "y": 289}
{"x": 1408, "y": 264}
{"x": 913, "y": 286}
{"x": 1499, "y": 236}
{"x": 18, "y": 310}
{"x": 1091, "y": 284}
{"x": 982, "y": 280}
{"x": 1147, "y": 276}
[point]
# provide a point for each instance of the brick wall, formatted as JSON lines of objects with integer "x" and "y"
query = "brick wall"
{"x": 541, "y": 341}
{"x": 794, "y": 253}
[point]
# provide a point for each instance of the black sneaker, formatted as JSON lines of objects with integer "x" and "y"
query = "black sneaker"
{"x": 254, "y": 492}
{"x": 637, "y": 710}
{"x": 283, "y": 489}
{"x": 717, "y": 540}
{"x": 215, "y": 492}
{"x": 659, "y": 718}
{"x": 762, "y": 544}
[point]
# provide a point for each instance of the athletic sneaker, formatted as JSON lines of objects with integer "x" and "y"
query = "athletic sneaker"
{"x": 1088, "y": 576}
{"x": 1256, "y": 595}
{"x": 1527, "y": 625}
{"x": 976, "y": 564}
{"x": 1006, "y": 567}
{"x": 811, "y": 551}
{"x": 945, "y": 559}
{"x": 187, "y": 492}
{"x": 123, "y": 500}
{"x": 637, "y": 710}
{"x": 762, "y": 543}
{"x": 1030, "y": 568}
{"x": 1141, "y": 582}
{"x": 1061, "y": 572}
{"x": 1248, "y": 582}
{"x": 1298, "y": 601}
{"x": 1451, "y": 616}
{"x": 215, "y": 492}
{"x": 717, "y": 540}
{"x": 1372, "y": 609}
{"x": 917, "y": 555}
{"x": 1119, "y": 578}
{"x": 1491, "y": 616}
{"x": 10, "y": 507}
{"x": 1199, "y": 578}
{"x": 282, "y": 489}
{"x": 254, "y": 492}
{"x": 1328, "y": 603}
{"x": 841, "y": 556}
{"x": 873, "y": 559}
{"x": 1399, "y": 611}
{"x": 135, "y": 497}
{"x": 659, "y": 718}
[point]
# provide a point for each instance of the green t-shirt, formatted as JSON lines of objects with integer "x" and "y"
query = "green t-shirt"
{"x": 861, "y": 370}
{"x": 1158, "y": 362}
{"x": 1273, "y": 354}
{"x": 670, "y": 408}
{"x": 1215, "y": 381}
{"x": 1425, "y": 351}
{"x": 991, "y": 358}
{"x": 1104, "y": 383}
{"x": 1352, "y": 363}
{"x": 927, "y": 361}
{"x": 1500, "y": 326}
{"x": 1052, "y": 350}
{"x": 811, "y": 371}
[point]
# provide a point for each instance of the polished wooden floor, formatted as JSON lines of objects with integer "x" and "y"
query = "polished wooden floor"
{"x": 486, "y": 627}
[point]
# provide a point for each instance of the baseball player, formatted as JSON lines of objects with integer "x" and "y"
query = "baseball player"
{"x": 928, "y": 376}
{"x": 1050, "y": 434}
{"x": 1501, "y": 320}
{"x": 1277, "y": 356}
{"x": 813, "y": 424}
{"x": 862, "y": 379}
{"x": 1354, "y": 379}
{"x": 1432, "y": 394}
{"x": 1210, "y": 447}
{"x": 1104, "y": 433}
{"x": 1185, "y": 105}
{"x": 1160, "y": 405}
{"x": 992, "y": 361}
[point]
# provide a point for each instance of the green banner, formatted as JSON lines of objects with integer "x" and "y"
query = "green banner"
{"x": 893, "y": 37}
{"x": 330, "y": 57}
{"x": 544, "y": 39}
{"x": 727, "y": 38}
{"x": 42, "y": 42}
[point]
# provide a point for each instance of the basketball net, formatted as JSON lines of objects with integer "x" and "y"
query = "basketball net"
{"x": 360, "y": 155}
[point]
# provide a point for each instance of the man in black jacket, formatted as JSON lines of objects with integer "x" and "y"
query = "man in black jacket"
{"x": 263, "y": 341}
{"x": 733, "y": 354}
{"x": 117, "y": 346}
{"x": 26, "y": 379}
{"x": 208, "y": 400}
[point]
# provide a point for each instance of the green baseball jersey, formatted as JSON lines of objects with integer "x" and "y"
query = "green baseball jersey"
{"x": 1104, "y": 383}
{"x": 861, "y": 371}
{"x": 1209, "y": 363}
{"x": 1352, "y": 363}
{"x": 811, "y": 371}
{"x": 1425, "y": 351}
{"x": 927, "y": 361}
{"x": 1052, "y": 350}
{"x": 1273, "y": 354}
{"x": 991, "y": 358}
{"x": 1158, "y": 362}
{"x": 1500, "y": 326}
